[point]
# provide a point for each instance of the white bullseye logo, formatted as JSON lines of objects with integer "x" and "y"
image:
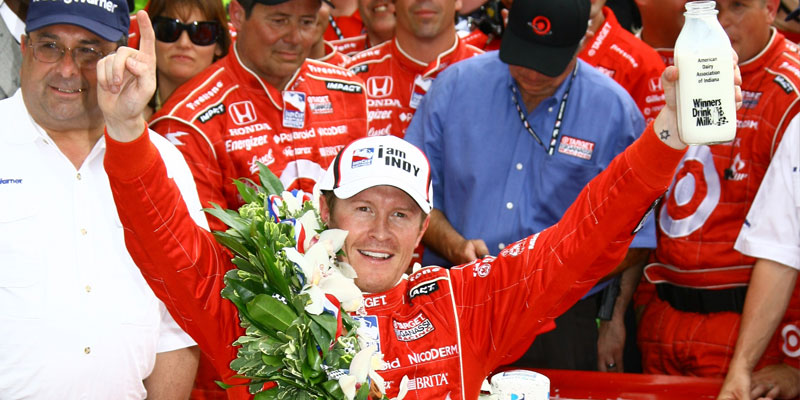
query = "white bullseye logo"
{"x": 791, "y": 340}
{"x": 693, "y": 194}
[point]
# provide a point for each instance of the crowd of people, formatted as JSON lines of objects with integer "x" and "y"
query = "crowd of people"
{"x": 551, "y": 186}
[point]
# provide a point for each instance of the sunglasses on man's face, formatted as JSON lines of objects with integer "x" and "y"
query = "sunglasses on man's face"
{"x": 201, "y": 33}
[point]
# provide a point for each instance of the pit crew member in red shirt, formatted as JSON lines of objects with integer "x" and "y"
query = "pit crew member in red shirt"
{"x": 264, "y": 102}
{"x": 399, "y": 72}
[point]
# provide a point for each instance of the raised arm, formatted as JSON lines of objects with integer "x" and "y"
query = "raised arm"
{"x": 181, "y": 262}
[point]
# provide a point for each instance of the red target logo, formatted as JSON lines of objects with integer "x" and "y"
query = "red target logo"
{"x": 791, "y": 340}
{"x": 540, "y": 25}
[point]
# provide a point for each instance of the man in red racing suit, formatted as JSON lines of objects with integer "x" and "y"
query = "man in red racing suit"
{"x": 446, "y": 330}
{"x": 625, "y": 59}
{"x": 227, "y": 119}
{"x": 477, "y": 307}
{"x": 686, "y": 327}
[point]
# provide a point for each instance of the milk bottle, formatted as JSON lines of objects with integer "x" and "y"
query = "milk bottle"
{"x": 705, "y": 92}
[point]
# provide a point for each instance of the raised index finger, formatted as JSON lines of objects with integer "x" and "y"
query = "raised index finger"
{"x": 147, "y": 38}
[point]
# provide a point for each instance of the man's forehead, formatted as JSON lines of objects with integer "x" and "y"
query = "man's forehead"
{"x": 389, "y": 193}
{"x": 67, "y": 31}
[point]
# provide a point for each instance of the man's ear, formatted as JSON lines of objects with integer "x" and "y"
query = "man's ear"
{"x": 324, "y": 210}
{"x": 237, "y": 14}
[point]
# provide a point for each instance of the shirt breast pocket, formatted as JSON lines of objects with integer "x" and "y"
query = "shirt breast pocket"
{"x": 22, "y": 273}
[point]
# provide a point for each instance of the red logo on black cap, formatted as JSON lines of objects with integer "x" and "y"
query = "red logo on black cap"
{"x": 540, "y": 25}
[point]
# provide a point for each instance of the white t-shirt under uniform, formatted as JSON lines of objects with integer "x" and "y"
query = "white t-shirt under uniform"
{"x": 772, "y": 228}
{"x": 77, "y": 320}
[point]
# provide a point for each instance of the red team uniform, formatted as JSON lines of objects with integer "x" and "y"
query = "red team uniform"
{"x": 628, "y": 61}
{"x": 444, "y": 329}
{"x": 695, "y": 261}
{"x": 227, "y": 118}
{"x": 395, "y": 82}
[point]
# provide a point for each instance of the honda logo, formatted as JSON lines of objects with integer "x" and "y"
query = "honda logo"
{"x": 655, "y": 84}
{"x": 242, "y": 113}
{"x": 379, "y": 86}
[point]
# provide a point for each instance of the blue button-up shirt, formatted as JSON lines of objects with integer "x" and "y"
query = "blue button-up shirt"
{"x": 491, "y": 178}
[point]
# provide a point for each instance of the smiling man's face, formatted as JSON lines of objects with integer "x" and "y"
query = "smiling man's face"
{"x": 384, "y": 225}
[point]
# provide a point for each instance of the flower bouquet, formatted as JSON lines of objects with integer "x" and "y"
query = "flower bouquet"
{"x": 293, "y": 296}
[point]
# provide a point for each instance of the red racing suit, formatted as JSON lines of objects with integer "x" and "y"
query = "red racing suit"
{"x": 396, "y": 82}
{"x": 334, "y": 56}
{"x": 227, "y": 118}
{"x": 628, "y": 61}
{"x": 700, "y": 220}
{"x": 444, "y": 329}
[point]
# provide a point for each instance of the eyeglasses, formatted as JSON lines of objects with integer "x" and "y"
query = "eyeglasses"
{"x": 52, "y": 52}
{"x": 201, "y": 33}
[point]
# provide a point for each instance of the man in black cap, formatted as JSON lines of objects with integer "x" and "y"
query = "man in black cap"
{"x": 556, "y": 120}
{"x": 77, "y": 319}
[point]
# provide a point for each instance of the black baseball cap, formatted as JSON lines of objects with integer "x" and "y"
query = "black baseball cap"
{"x": 544, "y": 35}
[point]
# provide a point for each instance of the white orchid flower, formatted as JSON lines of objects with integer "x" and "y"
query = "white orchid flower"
{"x": 311, "y": 225}
{"x": 293, "y": 203}
{"x": 323, "y": 276}
{"x": 365, "y": 364}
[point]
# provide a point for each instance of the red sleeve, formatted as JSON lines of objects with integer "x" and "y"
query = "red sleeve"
{"x": 198, "y": 151}
{"x": 181, "y": 262}
{"x": 504, "y": 302}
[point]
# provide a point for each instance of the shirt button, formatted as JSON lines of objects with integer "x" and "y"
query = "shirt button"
{"x": 501, "y": 246}
{"x": 83, "y": 231}
{"x": 78, "y": 176}
{"x": 549, "y": 109}
{"x": 88, "y": 288}
{"x": 509, "y": 205}
{"x": 87, "y": 350}
{"x": 519, "y": 166}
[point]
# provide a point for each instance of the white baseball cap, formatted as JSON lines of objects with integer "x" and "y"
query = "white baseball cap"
{"x": 377, "y": 161}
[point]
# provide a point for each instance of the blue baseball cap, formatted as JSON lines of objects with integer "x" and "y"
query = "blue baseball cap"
{"x": 108, "y": 19}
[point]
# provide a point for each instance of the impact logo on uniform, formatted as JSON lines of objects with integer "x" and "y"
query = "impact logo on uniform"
{"x": 212, "y": 112}
{"x": 413, "y": 329}
{"x": 320, "y": 104}
{"x": 343, "y": 87}
{"x": 242, "y": 113}
{"x": 784, "y": 84}
{"x": 369, "y": 330}
{"x": 294, "y": 109}
{"x": 576, "y": 147}
{"x": 362, "y": 157}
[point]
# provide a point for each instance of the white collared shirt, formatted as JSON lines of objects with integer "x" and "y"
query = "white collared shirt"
{"x": 77, "y": 320}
